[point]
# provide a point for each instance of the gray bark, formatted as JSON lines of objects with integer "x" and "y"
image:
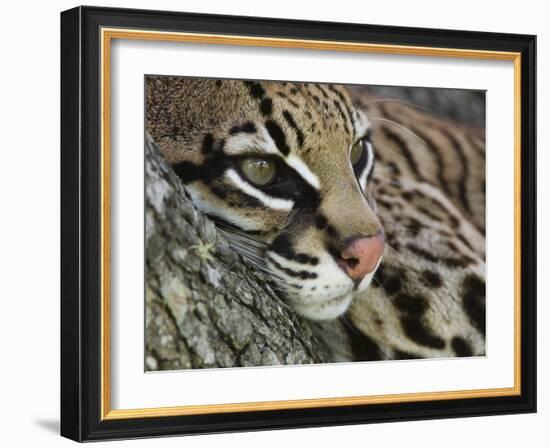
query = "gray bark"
{"x": 206, "y": 307}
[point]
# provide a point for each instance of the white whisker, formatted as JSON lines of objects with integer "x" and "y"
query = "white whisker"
{"x": 400, "y": 126}
{"x": 393, "y": 100}
{"x": 387, "y": 148}
{"x": 253, "y": 250}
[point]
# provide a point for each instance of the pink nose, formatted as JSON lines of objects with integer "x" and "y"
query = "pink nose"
{"x": 361, "y": 256}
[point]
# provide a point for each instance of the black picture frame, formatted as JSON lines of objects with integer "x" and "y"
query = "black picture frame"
{"x": 81, "y": 224}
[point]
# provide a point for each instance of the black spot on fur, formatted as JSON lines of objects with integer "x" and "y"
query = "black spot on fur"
{"x": 461, "y": 347}
{"x": 380, "y": 274}
{"x": 417, "y": 331}
{"x": 187, "y": 171}
{"x": 400, "y": 354}
{"x": 213, "y": 167}
{"x": 278, "y": 136}
{"x": 207, "y": 143}
{"x": 464, "y": 175}
{"x": 343, "y": 116}
{"x": 306, "y": 259}
{"x": 320, "y": 88}
{"x": 288, "y": 100}
{"x": 392, "y": 284}
{"x": 304, "y": 275}
{"x": 266, "y": 106}
{"x": 449, "y": 261}
{"x": 432, "y": 278}
{"x": 473, "y": 300}
{"x": 255, "y": 88}
{"x": 414, "y": 226}
{"x": 283, "y": 247}
{"x": 290, "y": 120}
{"x": 461, "y": 262}
{"x": 455, "y": 223}
{"x": 363, "y": 347}
{"x": 247, "y": 128}
{"x": 428, "y": 213}
{"x": 333, "y": 251}
{"x": 344, "y": 103}
{"x": 384, "y": 204}
{"x": 320, "y": 221}
{"x": 293, "y": 103}
{"x": 396, "y": 171}
{"x": 405, "y": 151}
{"x": 222, "y": 194}
{"x": 331, "y": 231}
{"x": 464, "y": 241}
{"x": 218, "y": 83}
{"x": 411, "y": 305}
{"x": 434, "y": 150}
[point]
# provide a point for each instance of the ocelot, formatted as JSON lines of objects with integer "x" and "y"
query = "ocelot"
{"x": 367, "y": 215}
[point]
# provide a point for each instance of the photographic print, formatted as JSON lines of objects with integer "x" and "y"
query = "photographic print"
{"x": 272, "y": 224}
{"x": 292, "y": 223}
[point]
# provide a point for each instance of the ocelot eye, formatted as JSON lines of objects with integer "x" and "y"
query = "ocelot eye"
{"x": 357, "y": 152}
{"x": 258, "y": 171}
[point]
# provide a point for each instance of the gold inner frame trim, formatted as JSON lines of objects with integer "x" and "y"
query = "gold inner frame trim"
{"x": 107, "y": 35}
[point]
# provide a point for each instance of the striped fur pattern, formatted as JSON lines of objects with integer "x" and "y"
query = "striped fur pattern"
{"x": 419, "y": 180}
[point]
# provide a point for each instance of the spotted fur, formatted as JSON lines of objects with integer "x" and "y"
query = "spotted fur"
{"x": 420, "y": 181}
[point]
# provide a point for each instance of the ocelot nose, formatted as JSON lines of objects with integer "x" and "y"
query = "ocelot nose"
{"x": 361, "y": 256}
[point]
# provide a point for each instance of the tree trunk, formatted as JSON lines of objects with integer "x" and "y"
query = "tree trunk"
{"x": 206, "y": 307}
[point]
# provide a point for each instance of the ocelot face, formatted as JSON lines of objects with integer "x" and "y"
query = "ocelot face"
{"x": 284, "y": 170}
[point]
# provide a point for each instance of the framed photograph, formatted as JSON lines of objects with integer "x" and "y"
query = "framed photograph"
{"x": 276, "y": 224}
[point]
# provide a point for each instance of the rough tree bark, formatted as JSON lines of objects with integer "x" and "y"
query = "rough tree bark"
{"x": 205, "y": 306}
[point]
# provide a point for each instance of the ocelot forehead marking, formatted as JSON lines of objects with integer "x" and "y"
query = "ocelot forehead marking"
{"x": 291, "y": 111}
